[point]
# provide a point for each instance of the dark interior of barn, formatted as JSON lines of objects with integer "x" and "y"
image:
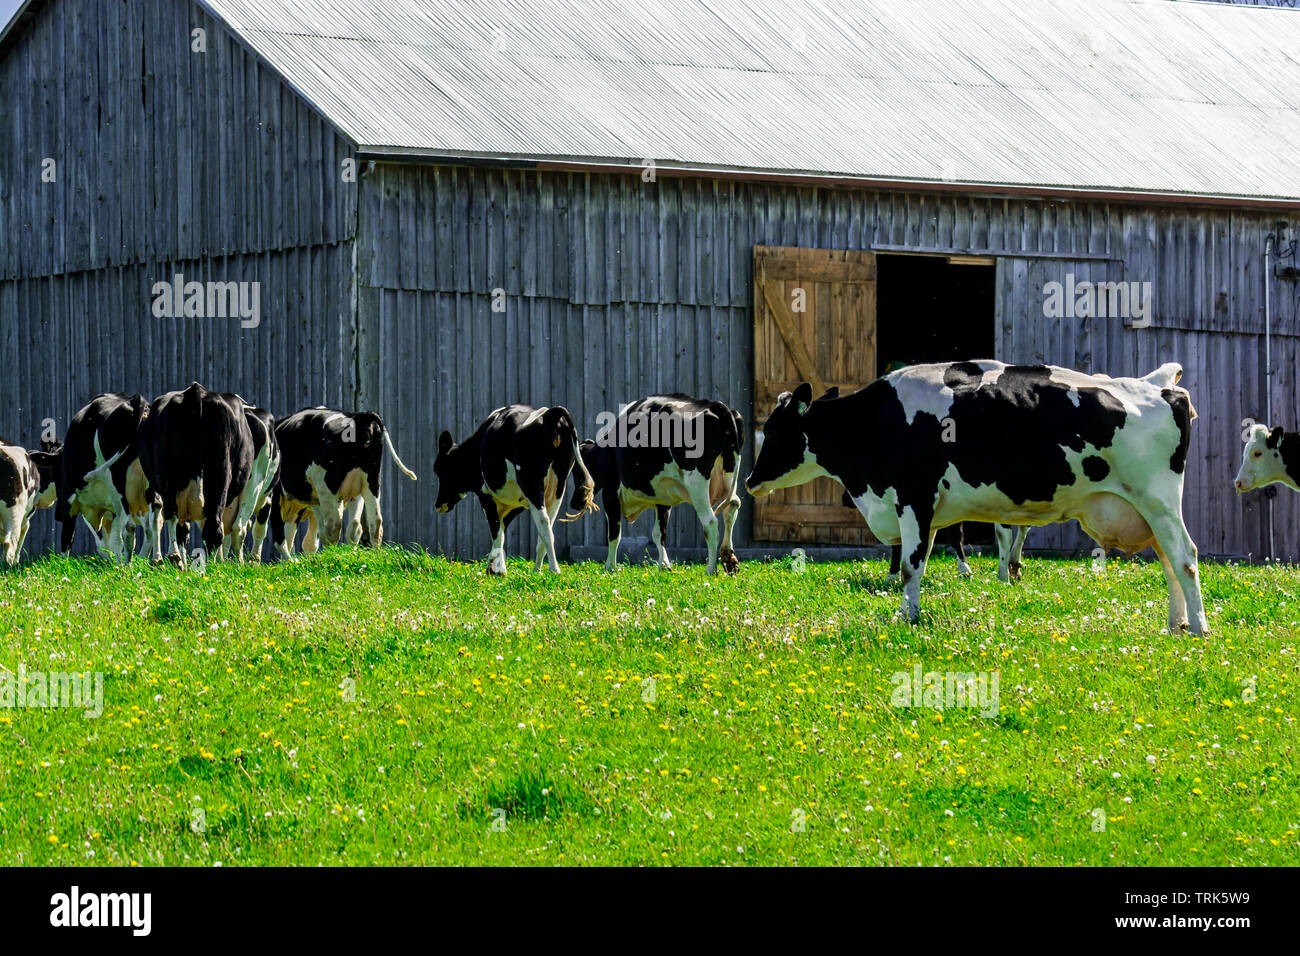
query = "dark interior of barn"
{"x": 932, "y": 310}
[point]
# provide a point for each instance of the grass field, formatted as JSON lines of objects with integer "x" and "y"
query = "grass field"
{"x": 361, "y": 707}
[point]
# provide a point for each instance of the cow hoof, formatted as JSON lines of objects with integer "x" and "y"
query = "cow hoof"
{"x": 1015, "y": 571}
{"x": 730, "y": 563}
{"x": 893, "y": 578}
{"x": 964, "y": 570}
{"x": 176, "y": 560}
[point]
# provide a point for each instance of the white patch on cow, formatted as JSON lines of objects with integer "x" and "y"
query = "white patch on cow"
{"x": 805, "y": 471}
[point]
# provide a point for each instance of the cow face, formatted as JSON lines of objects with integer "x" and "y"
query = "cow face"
{"x": 450, "y": 487}
{"x": 1269, "y": 457}
{"x": 783, "y": 457}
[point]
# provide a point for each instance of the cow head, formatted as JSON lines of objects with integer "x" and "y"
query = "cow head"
{"x": 47, "y": 467}
{"x": 453, "y": 483}
{"x": 784, "y": 458}
{"x": 1269, "y": 456}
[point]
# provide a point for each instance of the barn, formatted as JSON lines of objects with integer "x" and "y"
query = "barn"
{"x": 430, "y": 210}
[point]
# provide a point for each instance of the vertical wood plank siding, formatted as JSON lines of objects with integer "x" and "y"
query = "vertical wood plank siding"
{"x": 614, "y": 288}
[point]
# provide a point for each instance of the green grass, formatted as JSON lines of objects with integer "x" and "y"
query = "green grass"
{"x": 645, "y": 717}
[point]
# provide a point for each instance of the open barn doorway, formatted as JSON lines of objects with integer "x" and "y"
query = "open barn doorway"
{"x": 936, "y": 309}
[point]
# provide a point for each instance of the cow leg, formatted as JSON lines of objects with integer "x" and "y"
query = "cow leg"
{"x": 545, "y": 537}
{"x": 1013, "y": 566}
{"x": 916, "y": 536}
{"x": 659, "y": 533}
{"x": 155, "y": 519}
{"x": 730, "y": 509}
{"x": 957, "y": 538}
{"x": 1177, "y": 600}
{"x": 895, "y": 557}
{"x": 374, "y": 517}
{"x": 496, "y": 558}
{"x": 353, "y": 521}
{"x": 259, "y": 532}
{"x": 286, "y": 545}
{"x": 697, "y": 487}
{"x": 175, "y": 553}
{"x": 22, "y": 533}
{"x": 1004, "y": 536}
{"x": 311, "y": 537}
{"x": 1172, "y": 538}
{"x": 613, "y": 527}
{"x": 9, "y": 532}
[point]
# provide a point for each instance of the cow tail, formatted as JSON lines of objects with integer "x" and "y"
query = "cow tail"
{"x": 388, "y": 443}
{"x": 586, "y": 483}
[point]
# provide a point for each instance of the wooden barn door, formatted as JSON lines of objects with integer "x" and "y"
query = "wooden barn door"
{"x": 814, "y": 321}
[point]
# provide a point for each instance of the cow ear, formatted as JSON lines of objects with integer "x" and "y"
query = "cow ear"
{"x": 444, "y": 443}
{"x": 803, "y": 397}
{"x": 1275, "y": 437}
{"x": 832, "y": 392}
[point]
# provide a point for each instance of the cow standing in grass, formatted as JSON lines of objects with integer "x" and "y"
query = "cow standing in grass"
{"x": 20, "y": 491}
{"x": 197, "y": 455}
{"x": 99, "y": 476}
{"x": 519, "y": 459}
{"x": 254, "y": 503}
{"x": 930, "y": 445}
{"x": 328, "y": 459}
{"x": 667, "y": 450}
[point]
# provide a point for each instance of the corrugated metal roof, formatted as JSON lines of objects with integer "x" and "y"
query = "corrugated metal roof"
{"x": 1133, "y": 96}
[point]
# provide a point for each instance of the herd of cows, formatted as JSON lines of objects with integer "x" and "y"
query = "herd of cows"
{"x": 918, "y": 450}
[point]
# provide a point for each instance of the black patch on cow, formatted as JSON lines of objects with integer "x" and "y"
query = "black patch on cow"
{"x": 13, "y": 479}
{"x": 962, "y": 375}
{"x": 1182, "y": 409}
{"x": 1095, "y": 468}
{"x": 1288, "y": 443}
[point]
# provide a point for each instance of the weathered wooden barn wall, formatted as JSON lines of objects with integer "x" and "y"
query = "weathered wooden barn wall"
{"x": 611, "y": 288}
{"x": 167, "y": 161}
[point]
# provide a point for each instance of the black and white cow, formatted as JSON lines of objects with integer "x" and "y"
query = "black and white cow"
{"x": 255, "y": 499}
{"x": 1269, "y": 456}
{"x": 519, "y": 458}
{"x": 328, "y": 459}
{"x": 197, "y": 455}
{"x": 20, "y": 490}
{"x": 662, "y": 451}
{"x": 930, "y": 445}
{"x": 99, "y": 476}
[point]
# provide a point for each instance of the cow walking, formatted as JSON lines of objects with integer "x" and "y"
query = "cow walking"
{"x": 518, "y": 459}
{"x": 20, "y": 492}
{"x": 662, "y": 451}
{"x": 328, "y": 459}
{"x": 930, "y": 445}
{"x": 196, "y": 452}
{"x": 255, "y": 499}
{"x": 98, "y": 475}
